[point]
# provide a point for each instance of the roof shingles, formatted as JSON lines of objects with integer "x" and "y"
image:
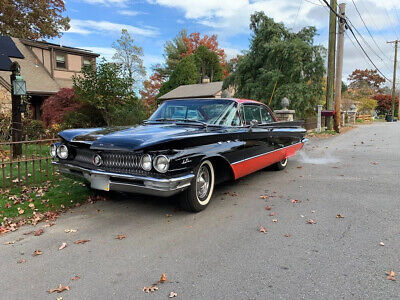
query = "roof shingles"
{"x": 202, "y": 90}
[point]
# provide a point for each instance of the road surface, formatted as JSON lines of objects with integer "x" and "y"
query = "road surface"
{"x": 220, "y": 253}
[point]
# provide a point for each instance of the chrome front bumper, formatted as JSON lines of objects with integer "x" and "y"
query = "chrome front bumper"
{"x": 128, "y": 183}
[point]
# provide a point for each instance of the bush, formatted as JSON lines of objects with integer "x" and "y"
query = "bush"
{"x": 57, "y": 106}
{"x": 34, "y": 129}
{"x": 85, "y": 116}
{"x": 131, "y": 113}
{"x": 5, "y": 127}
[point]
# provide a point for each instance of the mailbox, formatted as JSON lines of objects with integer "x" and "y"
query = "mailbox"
{"x": 327, "y": 113}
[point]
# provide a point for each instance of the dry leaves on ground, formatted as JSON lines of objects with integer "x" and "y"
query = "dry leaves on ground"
{"x": 120, "y": 236}
{"x": 59, "y": 289}
{"x": 81, "y": 241}
{"x": 268, "y": 207}
{"x": 295, "y": 201}
{"x": 287, "y": 235}
{"x": 339, "y": 216}
{"x": 271, "y": 214}
{"x": 299, "y": 167}
{"x": 390, "y": 275}
{"x": 63, "y": 245}
{"x": 382, "y": 243}
{"x": 263, "y": 230}
{"x": 163, "y": 278}
{"x": 148, "y": 289}
{"x": 275, "y": 220}
{"x": 38, "y": 232}
{"x": 310, "y": 221}
{"x": 75, "y": 278}
{"x": 21, "y": 261}
{"x": 265, "y": 197}
{"x": 37, "y": 252}
{"x": 70, "y": 230}
{"x": 232, "y": 194}
{"x": 172, "y": 295}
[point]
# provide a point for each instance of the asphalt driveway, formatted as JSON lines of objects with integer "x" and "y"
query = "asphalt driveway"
{"x": 220, "y": 253}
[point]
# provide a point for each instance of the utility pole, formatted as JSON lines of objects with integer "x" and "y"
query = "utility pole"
{"x": 331, "y": 62}
{"x": 339, "y": 66}
{"x": 396, "y": 42}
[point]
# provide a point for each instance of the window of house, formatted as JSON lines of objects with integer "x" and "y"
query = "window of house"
{"x": 86, "y": 62}
{"x": 61, "y": 61}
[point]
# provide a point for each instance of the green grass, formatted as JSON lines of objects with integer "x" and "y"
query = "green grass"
{"x": 63, "y": 192}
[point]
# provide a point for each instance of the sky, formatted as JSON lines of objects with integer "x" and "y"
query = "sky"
{"x": 96, "y": 24}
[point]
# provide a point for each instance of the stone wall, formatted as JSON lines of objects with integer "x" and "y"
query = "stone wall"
{"x": 5, "y": 100}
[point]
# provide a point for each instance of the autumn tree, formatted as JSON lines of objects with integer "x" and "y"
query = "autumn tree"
{"x": 130, "y": 56}
{"x": 33, "y": 19}
{"x": 366, "y": 78}
{"x": 278, "y": 56}
{"x": 384, "y": 103}
{"x": 151, "y": 88}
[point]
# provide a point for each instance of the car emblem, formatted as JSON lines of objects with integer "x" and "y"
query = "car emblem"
{"x": 97, "y": 160}
{"x": 186, "y": 161}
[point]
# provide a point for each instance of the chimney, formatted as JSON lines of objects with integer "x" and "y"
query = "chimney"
{"x": 205, "y": 79}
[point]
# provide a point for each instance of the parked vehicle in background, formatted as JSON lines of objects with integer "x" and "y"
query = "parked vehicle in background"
{"x": 187, "y": 146}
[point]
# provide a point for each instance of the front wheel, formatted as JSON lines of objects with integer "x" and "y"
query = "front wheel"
{"x": 197, "y": 196}
{"x": 280, "y": 165}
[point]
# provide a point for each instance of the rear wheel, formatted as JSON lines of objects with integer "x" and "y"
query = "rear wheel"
{"x": 280, "y": 165}
{"x": 197, "y": 196}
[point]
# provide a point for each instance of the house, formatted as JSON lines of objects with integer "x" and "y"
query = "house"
{"x": 46, "y": 68}
{"x": 206, "y": 89}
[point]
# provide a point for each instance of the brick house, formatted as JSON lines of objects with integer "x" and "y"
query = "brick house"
{"x": 46, "y": 68}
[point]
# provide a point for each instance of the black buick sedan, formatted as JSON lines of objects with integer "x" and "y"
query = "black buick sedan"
{"x": 186, "y": 147}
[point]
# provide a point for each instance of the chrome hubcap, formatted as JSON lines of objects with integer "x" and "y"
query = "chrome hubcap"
{"x": 202, "y": 182}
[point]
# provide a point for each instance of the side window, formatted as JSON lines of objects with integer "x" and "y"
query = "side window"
{"x": 252, "y": 112}
{"x": 266, "y": 115}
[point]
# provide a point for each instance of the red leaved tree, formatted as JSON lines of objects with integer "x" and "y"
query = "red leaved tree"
{"x": 193, "y": 41}
{"x": 366, "y": 78}
{"x": 57, "y": 106}
{"x": 151, "y": 89}
{"x": 384, "y": 103}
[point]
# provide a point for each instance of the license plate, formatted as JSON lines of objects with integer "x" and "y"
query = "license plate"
{"x": 100, "y": 182}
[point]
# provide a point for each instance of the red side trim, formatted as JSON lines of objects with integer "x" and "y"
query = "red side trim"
{"x": 257, "y": 163}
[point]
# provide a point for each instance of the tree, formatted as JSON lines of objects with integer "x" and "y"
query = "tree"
{"x": 384, "y": 103}
{"x": 105, "y": 88}
{"x": 58, "y": 105}
{"x": 366, "y": 78}
{"x": 130, "y": 57}
{"x": 283, "y": 58}
{"x": 363, "y": 99}
{"x": 33, "y": 19}
{"x": 151, "y": 89}
{"x": 173, "y": 52}
{"x": 185, "y": 73}
{"x": 207, "y": 64}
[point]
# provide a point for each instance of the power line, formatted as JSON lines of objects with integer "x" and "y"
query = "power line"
{"x": 369, "y": 32}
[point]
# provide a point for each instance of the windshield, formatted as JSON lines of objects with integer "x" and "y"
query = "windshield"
{"x": 210, "y": 112}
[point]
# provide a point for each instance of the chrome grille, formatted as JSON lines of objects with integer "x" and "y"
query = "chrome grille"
{"x": 116, "y": 162}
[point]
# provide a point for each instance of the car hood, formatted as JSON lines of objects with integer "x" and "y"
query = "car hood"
{"x": 132, "y": 138}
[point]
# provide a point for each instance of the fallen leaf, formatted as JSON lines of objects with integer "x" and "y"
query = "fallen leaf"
{"x": 390, "y": 275}
{"x": 31, "y": 205}
{"x": 20, "y": 211}
{"x": 63, "y": 245}
{"x": 295, "y": 201}
{"x": 382, "y": 243}
{"x": 70, "y": 230}
{"x": 148, "y": 289}
{"x": 268, "y": 207}
{"x": 275, "y": 220}
{"x": 264, "y": 197}
{"x": 59, "y": 289}
{"x": 21, "y": 261}
{"x": 120, "y": 236}
{"x": 39, "y": 232}
{"x": 339, "y": 216}
{"x": 81, "y": 241}
{"x": 310, "y": 221}
{"x": 163, "y": 278}
{"x": 172, "y": 295}
{"x": 9, "y": 243}
{"x": 37, "y": 252}
{"x": 287, "y": 235}
{"x": 75, "y": 278}
{"x": 263, "y": 230}
{"x": 271, "y": 214}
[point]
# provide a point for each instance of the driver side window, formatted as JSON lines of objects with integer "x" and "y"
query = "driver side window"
{"x": 252, "y": 112}
{"x": 266, "y": 115}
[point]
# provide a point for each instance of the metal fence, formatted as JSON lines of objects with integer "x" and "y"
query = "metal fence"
{"x": 32, "y": 166}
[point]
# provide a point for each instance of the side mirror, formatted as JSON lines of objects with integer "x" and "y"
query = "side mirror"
{"x": 253, "y": 123}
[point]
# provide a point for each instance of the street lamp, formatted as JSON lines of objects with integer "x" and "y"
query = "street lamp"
{"x": 19, "y": 86}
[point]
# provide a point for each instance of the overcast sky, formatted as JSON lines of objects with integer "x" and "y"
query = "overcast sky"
{"x": 95, "y": 24}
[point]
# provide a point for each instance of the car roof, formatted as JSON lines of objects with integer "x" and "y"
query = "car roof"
{"x": 238, "y": 100}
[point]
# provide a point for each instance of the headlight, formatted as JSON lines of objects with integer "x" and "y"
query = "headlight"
{"x": 62, "y": 152}
{"x": 161, "y": 163}
{"x": 145, "y": 161}
{"x": 53, "y": 151}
